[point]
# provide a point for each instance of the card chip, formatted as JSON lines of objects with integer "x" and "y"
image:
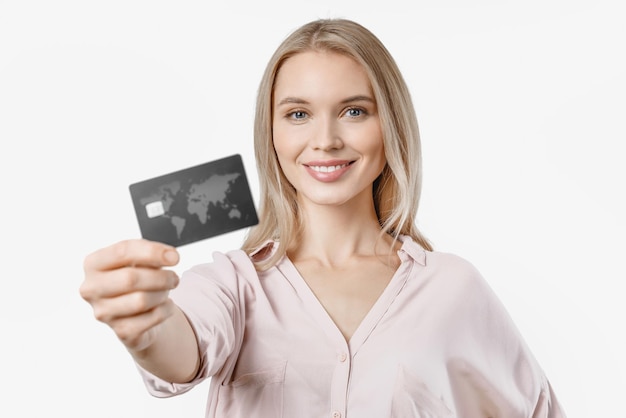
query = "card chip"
{"x": 155, "y": 209}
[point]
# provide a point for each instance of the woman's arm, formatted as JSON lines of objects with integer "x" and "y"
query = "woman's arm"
{"x": 128, "y": 289}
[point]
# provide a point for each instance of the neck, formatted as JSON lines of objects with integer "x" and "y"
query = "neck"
{"x": 334, "y": 234}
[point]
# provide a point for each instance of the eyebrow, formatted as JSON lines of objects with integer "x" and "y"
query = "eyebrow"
{"x": 351, "y": 99}
{"x": 358, "y": 98}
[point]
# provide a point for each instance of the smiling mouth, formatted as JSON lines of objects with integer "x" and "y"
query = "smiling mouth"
{"x": 328, "y": 168}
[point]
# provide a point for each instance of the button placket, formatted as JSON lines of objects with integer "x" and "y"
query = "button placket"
{"x": 341, "y": 379}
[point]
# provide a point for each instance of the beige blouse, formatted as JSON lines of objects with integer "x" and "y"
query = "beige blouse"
{"x": 437, "y": 343}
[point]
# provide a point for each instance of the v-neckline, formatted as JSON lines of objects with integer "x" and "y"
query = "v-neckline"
{"x": 369, "y": 321}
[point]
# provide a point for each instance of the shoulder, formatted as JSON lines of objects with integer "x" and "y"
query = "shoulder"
{"x": 438, "y": 263}
{"x": 225, "y": 265}
{"x": 455, "y": 279}
{"x": 458, "y": 272}
{"x": 463, "y": 288}
{"x": 450, "y": 264}
{"x": 233, "y": 265}
{"x": 446, "y": 273}
{"x": 228, "y": 276}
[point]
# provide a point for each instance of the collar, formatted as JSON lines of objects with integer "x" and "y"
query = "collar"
{"x": 409, "y": 248}
{"x": 264, "y": 250}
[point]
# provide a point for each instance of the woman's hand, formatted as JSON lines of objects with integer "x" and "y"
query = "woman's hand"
{"x": 128, "y": 289}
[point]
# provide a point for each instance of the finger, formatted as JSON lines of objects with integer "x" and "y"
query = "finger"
{"x": 127, "y": 280}
{"x": 137, "y": 252}
{"x": 128, "y": 305}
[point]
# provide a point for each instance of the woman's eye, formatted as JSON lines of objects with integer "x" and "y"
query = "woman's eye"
{"x": 298, "y": 115}
{"x": 355, "y": 112}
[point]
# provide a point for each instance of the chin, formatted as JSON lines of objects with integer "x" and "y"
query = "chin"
{"x": 326, "y": 201}
{"x": 330, "y": 199}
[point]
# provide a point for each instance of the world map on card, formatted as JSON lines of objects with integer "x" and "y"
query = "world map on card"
{"x": 195, "y": 203}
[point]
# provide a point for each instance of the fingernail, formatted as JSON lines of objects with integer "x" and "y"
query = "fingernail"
{"x": 170, "y": 256}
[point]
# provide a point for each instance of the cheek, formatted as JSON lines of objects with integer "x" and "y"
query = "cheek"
{"x": 279, "y": 138}
{"x": 381, "y": 158}
{"x": 375, "y": 146}
{"x": 285, "y": 152}
{"x": 287, "y": 143}
{"x": 281, "y": 147}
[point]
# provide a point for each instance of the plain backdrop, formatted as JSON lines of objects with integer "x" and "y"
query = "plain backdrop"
{"x": 521, "y": 108}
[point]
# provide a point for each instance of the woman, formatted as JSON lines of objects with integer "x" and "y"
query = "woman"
{"x": 336, "y": 305}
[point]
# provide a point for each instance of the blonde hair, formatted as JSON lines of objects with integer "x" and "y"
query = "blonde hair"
{"x": 396, "y": 192}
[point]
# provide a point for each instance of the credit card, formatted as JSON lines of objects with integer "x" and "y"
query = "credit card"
{"x": 195, "y": 203}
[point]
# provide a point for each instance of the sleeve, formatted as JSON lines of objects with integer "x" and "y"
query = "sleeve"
{"x": 491, "y": 370}
{"x": 211, "y": 297}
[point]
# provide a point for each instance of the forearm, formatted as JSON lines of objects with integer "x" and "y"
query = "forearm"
{"x": 173, "y": 355}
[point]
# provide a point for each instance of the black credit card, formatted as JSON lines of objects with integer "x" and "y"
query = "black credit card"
{"x": 195, "y": 203}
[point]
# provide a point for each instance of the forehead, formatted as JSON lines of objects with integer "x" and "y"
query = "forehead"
{"x": 315, "y": 74}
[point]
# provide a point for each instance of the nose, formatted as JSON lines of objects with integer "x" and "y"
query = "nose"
{"x": 327, "y": 135}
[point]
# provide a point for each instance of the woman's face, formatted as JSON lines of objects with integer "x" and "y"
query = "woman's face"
{"x": 326, "y": 128}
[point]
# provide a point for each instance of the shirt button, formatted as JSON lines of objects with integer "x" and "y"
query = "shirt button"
{"x": 342, "y": 357}
{"x": 336, "y": 414}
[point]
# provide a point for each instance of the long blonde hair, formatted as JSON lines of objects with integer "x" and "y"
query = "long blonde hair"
{"x": 396, "y": 192}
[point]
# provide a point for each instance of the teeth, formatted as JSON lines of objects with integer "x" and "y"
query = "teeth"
{"x": 327, "y": 169}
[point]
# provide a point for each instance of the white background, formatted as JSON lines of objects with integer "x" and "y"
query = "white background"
{"x": 521, "y": 108}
